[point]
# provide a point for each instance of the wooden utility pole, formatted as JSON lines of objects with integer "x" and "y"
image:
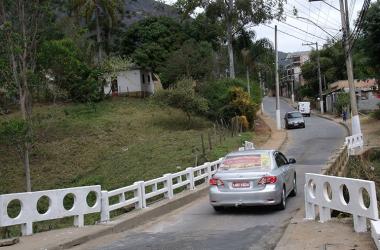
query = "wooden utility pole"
{"x": 355, "y": 121}
{"x": 278, "y": 114}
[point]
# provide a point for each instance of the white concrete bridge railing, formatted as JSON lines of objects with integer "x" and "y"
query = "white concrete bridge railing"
{"x": 55, "y": 209}
{"x": 353, "y": 196}
{"x": 136, "y": 195}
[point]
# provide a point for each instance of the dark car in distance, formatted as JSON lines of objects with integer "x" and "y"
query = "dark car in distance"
{"x": 294, "y": 119}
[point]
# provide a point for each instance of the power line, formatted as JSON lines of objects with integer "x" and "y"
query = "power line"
{"x": 311, "y": 13}
{"x": 295, "y": 18}
{"x": 296, "y": 37}
{"x": 304, "y": 31}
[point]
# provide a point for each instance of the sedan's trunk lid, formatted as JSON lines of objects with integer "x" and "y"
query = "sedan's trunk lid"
{"x": 241, "y": 181}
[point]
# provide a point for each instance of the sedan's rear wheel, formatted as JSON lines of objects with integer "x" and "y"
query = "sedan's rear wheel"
{"x": 218, "y": 208}
{"x": 294, "y": 191}
{"x": 282, "y": 204}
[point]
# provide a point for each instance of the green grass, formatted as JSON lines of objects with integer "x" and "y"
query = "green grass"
{"x": 113, "y": 143}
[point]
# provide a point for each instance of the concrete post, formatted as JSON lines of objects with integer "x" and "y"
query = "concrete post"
{"x": 360, "y": 224}
{"x": 79, "y": 220}
{"x": 138, "y": 193}
{"x": 104, "y": 210}
{"x": 324, "y": 214}
{"x": 169, "y": 185}
{"x": 27, "y": 229}
{"x": 190, "y": 177}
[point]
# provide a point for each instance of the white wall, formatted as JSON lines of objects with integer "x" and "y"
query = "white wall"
{"x": 129, "y": 81}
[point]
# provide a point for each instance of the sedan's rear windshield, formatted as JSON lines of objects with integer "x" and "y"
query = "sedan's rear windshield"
{"x": 294, "y": 115}
{"x": 259, "y": 160}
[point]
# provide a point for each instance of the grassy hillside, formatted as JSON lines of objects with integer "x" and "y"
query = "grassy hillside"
{"x": 113, "y": 143}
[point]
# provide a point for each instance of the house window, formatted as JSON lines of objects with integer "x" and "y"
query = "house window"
{"x": 143, "y": 78}
{"x": 148, "y": 78}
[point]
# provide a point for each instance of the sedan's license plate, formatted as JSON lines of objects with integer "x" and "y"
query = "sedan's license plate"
{"x": 240, "y": 184}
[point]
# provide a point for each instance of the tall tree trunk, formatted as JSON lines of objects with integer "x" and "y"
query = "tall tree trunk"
{"x": 98, "y": 35}
{"x": 25, "y": 100}
{"x": 229, "y": 38}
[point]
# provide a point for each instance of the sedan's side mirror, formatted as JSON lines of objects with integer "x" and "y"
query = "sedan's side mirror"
{"x": 292, "y": 161}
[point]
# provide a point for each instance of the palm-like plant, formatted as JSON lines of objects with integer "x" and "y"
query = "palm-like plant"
{"x": 94, "y": 10}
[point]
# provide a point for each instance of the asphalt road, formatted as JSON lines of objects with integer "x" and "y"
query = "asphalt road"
{"x": 197, "y": 226}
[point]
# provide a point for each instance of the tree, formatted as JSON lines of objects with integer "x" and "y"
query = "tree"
{"x": 371, "y": 35}
{"x": 150, "y": 42}
{"x": 234, "y": 15}
{"x": 183, "y": 96}
{"x": 193, "y": 60}
{"x": 95, "y": 9}
{"x": 61, "y": 60}
{"x": 21, "y": 23}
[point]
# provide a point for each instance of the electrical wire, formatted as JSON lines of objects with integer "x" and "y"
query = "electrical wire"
{"x": 287, "y": 33}
{"x": 304, "y": 31}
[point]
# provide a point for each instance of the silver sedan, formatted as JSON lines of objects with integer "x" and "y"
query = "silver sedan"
{"x": 252, "y": 178}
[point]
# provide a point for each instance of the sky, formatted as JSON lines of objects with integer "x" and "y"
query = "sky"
{"x": 319, "y": 12}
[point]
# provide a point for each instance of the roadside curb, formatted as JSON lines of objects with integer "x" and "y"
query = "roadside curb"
{"x": 330, "y": 119}
{"x": 277, "y": 138}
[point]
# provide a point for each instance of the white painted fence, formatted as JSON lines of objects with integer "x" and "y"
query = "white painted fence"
{"x": 354, "y": 142}
{"x": 326, "y": 193}
{"x": 56, "y": 210}
{"x": 135, "y": 195}
{"x": 140, "y": 192}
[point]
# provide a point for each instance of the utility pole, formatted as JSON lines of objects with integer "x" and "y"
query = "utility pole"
{"x": 278, "y": 115}
{"x": 319, "y": 79}
{"x": 261, "y": 93}
{"x": 319, "y": 75}
{"x": 355, "y": 121}
{"x": 293, "y": 91}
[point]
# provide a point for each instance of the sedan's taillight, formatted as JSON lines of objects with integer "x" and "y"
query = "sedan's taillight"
{"x": 267, "y": 180}
{"x": 216, "y": 182}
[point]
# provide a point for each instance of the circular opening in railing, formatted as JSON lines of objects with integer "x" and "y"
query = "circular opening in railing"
{"x": 327, "y": 192}
{"x": 344, "y": 194}
{"x": 14, "y": 208}
{"x": 91, "y": 198}
{"x": 311, "y": 188}
{"x": 68, "y": 201}
{"x": 364, "y": 198}
{"x": 43, "y": 204}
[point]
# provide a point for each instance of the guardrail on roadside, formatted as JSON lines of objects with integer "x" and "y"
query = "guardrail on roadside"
{"x": 331, "y": 192}
{"x": 353, "y": 142}
{"x": 55, "y": 198}
{"x": 136, "y": 195}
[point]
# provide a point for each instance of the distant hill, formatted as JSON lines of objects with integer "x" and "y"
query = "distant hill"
{"x": 136, "y": 10}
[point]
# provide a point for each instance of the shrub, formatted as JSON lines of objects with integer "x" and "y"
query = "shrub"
{"x": 216, "y": 93}
{"x": 183, "y": 96}
{"x": 343, "y": 102}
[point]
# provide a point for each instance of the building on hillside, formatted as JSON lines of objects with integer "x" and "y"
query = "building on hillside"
{"x": 134, "y": 82}
{"x": 292, "y": 72}
{"x": 367, "y": 94}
